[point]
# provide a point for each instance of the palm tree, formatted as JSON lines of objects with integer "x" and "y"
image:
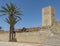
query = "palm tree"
{"x": 14, "y": 14}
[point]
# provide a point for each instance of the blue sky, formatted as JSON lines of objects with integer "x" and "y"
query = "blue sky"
{"x": 32, "y": 11}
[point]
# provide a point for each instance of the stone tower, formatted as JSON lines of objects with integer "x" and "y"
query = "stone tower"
{"x": 48, "y": 16}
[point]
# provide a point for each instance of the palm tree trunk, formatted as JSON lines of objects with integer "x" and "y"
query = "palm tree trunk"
{"x": 11, "y": 33}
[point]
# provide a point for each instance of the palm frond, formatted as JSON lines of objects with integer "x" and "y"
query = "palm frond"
{"x": 8, "y": 7}
{"x": 18, "y": 17}
{"x": 13, "y": 13}
{"x": 18, "y": 12}
{"x": 5, "y": 9}
{"x": 7, "y": 20}
{"x": 16, "y": 21}
{"x": 3, "y": 14}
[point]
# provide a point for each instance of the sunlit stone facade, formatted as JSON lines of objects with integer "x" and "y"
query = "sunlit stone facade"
{"x": 48, "y": 16}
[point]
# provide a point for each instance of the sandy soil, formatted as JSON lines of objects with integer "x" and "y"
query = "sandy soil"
{"x": 17, "y": 44}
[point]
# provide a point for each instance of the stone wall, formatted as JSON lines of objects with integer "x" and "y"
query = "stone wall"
{"x": 28, "y": 37}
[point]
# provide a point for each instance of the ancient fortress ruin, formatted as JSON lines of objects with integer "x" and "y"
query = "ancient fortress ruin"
{"x": 49, "y": 19}
{"x": 48, "y": 16}
{"x": 46, "y": 33}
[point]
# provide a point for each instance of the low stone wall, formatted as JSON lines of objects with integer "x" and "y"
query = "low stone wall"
{"x": 28, "y": 37}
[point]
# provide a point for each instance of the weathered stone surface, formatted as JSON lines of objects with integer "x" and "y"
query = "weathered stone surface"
{"x": 28, "y": 37}
{"x": 52, "y": 41}
{"x": 48, "y": 16}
